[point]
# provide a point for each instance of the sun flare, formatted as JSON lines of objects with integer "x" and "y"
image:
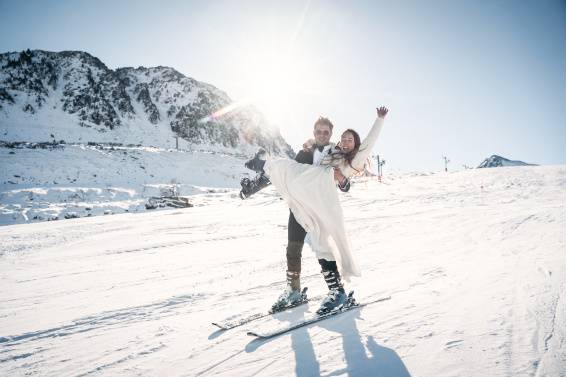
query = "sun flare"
{"x": 276, "y": 85}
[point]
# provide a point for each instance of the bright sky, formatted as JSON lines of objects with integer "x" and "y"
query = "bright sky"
{"x": 463, "y": 79}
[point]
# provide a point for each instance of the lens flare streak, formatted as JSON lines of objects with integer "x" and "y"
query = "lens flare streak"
{"x": 225, "y": 110}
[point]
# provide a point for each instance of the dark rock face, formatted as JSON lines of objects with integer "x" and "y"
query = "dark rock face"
{"x": 150, "y": 109}
{"x": 78, "y": 83}
{"x": 188, "y": 123}
{"x": 5, "y": 97}
{"x": 97, "y": 101}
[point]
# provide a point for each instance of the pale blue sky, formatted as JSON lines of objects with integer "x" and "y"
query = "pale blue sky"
{"x": 465, "y": 79}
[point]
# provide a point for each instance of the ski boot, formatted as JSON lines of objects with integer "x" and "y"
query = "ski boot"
{"x": 336, "y": 301}
{"x": 289, "y": 299}
{"x": 292, "y": 295}
{"x": 256, "y": 164}
{"x": 251, "y": 186}
{"x": 337, "y": 297}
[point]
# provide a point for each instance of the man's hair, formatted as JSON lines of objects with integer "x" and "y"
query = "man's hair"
{"x": 323, "y": 122}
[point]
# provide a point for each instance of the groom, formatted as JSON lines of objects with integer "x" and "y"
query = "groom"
{"x": 312, "y": 155}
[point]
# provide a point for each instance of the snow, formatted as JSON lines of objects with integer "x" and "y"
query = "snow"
{"x": 473, "y": 261}
{"x": 88, "y": 180}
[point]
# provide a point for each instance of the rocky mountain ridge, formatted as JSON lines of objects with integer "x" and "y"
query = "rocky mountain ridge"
{"x": 75, "y": 95}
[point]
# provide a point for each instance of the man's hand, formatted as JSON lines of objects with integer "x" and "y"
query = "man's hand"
{"x": 338, "y": 176}
{"x": 382, "y": 111}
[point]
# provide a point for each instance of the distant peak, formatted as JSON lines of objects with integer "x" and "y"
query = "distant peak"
{"x": 497, "y": 161}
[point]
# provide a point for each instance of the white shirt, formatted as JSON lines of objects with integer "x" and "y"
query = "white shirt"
{"x": 318, "y": 155}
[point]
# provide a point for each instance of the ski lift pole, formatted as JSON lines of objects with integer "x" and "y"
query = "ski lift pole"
{"x": 378, "y": 169}
{"x": 446, "y": 161}
{"x": 380, "y": 164}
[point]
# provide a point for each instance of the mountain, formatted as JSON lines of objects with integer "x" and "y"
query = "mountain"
{"x": 72, "y": 95}
{"x": 497, "y": 161}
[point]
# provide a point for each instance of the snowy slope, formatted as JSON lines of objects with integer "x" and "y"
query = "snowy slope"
{"x": 473, "y": 260}
{"x": 39, "y": 184}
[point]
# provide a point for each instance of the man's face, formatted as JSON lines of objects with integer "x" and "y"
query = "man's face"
{"x": 322, "y": 134}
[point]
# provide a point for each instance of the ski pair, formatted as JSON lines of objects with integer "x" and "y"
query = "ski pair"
{"x": 314, "y": 318}
{"x": 230, "y": 324}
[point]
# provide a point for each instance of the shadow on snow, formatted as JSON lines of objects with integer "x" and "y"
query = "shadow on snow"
{"x": 378, "y": 361}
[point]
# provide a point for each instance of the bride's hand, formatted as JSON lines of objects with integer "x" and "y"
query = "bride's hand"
{"x": 382, "y": 111}
{"x": 307, "y": 145}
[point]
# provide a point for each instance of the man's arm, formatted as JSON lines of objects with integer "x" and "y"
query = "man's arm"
{"x": 343, "y": 182}
{"x": 344, "y": 186}
{"x": 306, "y": 157}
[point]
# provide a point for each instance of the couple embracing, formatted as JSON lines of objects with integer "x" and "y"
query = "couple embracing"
{"x": 308, "y": 185}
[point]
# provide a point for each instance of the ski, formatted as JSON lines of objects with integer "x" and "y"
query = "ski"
{"x": 231, "y": 323}
{"x": 312, "y": 319}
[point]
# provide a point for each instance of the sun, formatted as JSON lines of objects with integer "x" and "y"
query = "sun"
{"x": 276, "y": 84}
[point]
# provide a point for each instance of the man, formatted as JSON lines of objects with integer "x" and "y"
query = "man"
{"x": 311, "y": 155}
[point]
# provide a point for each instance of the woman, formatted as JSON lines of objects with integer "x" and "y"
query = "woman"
{"x": 310, "y": 192}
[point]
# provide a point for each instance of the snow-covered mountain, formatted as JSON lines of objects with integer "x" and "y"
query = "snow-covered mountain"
{"x": 498, "y": 161}
{"x": 73, "y": 96}
{"x": 473, "y": 261}
{"x": 78, "y": 139}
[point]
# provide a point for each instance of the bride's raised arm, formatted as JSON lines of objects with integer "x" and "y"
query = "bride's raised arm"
{"x": 369, "y": 141}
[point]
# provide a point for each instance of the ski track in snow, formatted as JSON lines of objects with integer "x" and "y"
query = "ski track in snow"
{"x": 473, "y": 261}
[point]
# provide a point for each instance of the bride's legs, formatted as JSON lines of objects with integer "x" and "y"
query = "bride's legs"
{"x": 257, "y": 163}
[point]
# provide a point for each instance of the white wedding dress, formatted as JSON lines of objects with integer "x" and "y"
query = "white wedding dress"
{"x": 310, "y": 192}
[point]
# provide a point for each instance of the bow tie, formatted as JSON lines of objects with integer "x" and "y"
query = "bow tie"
{"x": 319, "y": 147}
